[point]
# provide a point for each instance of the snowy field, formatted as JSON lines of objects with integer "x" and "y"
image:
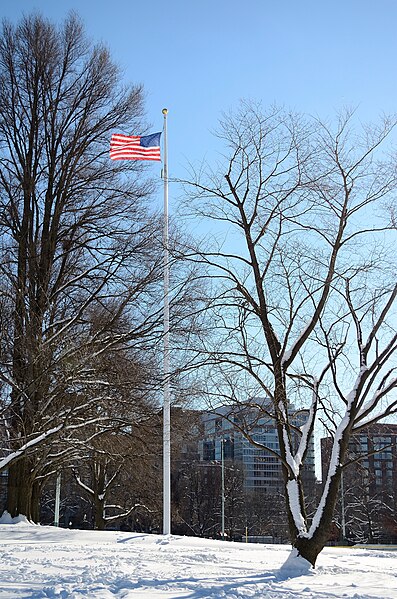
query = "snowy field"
{"x": 45, "y": 562}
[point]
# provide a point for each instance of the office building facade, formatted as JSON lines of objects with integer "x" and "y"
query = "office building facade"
{"x": 261, "y": 468}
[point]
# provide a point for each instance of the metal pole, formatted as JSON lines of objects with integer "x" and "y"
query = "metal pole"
{"x": 57, "y": 499}
{"x": 223, "y": 489}
{"x": 166, "y": 406}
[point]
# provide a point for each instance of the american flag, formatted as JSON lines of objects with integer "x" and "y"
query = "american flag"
{"x": 135, "y": 147}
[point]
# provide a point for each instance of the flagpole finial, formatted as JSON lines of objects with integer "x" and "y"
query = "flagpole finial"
{"x": 165, "y": 111}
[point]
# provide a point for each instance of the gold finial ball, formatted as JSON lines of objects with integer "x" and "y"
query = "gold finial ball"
{"x": 165, "y": 111}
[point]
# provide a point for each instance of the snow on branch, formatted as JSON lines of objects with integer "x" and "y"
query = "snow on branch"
{"x": 124, "y": 514}
{"x": 307, "y": 428}
{"x": 294, "y": 504}
{"x": 335, "y": 453}
{"x": 5, "y": 462}
{"x": 83, "y": 485}
{"x": 369, "y": 406}
{"x": 287, "y": 354}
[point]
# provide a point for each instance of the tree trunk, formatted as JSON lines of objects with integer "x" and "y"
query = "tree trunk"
{"x": 21, "y": 497}
{"x": 99, "y": 520}
{"x": 35, "y": 502}
{"x": 309, "y": 548}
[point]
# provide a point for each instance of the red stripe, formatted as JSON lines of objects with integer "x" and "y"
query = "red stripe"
{"x": 117, "y": 137}
{"x": 129, "y": 157}
{"x": 144, "y": 152}
{"x": 127, "y": 147}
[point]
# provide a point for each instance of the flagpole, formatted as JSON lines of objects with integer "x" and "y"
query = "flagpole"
{"x": 166, "y": 406}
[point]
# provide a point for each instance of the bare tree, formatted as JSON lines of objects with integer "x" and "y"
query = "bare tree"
{"x": 306, "y": 288}
{"x": 196, "y": 498}
{"x": 103, "y": 475}
{"x": 265, "y": 515}
{"x": 76, "y": 235}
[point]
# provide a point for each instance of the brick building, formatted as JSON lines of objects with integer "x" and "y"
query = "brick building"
{"x": 368, "y": 499}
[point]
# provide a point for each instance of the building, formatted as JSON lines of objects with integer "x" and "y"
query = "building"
{"x": 375, "y": 448}
{"x": 261, "y": 468}
{"x": 367, "y": 510}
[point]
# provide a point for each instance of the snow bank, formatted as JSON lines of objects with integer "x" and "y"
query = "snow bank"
{"x": 296, "y": 565}
{"x": 6, "y": 518}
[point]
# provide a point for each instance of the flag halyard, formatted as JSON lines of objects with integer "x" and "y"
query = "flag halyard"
{"x": 135, "y": 147}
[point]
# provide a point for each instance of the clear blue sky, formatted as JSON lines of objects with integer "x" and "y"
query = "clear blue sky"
{"x": 199, "y": 57}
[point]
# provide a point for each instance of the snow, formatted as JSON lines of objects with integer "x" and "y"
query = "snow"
{"x": 293, "y": 499}
{"x": 42, "y": 562}
{"x": 287, "y": 353}
{"x": 335, "y": 454}
{"x": 295, "y": 565}
{"x": 6, "y": 518}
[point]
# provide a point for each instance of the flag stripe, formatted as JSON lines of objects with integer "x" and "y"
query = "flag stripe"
{"x": 135, "y": 147}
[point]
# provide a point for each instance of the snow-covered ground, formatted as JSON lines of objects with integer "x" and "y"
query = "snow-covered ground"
{"x": 45, "y": 562}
